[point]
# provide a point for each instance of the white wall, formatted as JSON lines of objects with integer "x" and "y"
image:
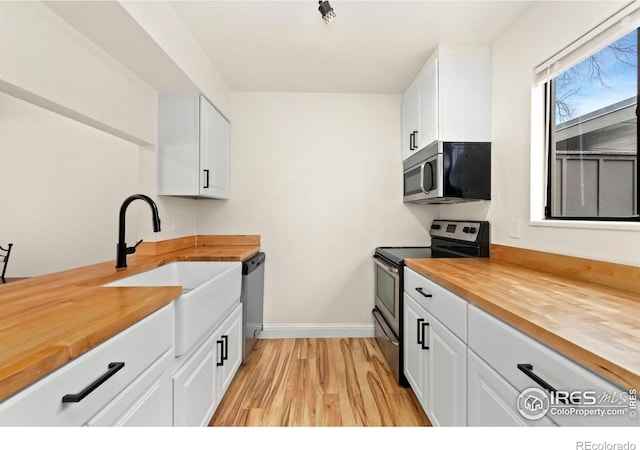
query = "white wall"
{"x": 61, "y": 184}
{"x": 65, "y": 170}
{"x": 543, "y": 30}
{"x": 318, "y": 176}
{"x": 44, "y": 60}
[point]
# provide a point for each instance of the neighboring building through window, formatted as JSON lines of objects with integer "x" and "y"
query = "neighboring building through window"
{"x": 593, "y": 136}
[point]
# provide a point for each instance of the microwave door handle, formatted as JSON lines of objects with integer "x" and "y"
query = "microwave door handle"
{"x": 426, "y": 191}
{"x": 433, "y": 177}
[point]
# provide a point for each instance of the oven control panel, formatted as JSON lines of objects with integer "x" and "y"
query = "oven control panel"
{"x": 457, "y": 229}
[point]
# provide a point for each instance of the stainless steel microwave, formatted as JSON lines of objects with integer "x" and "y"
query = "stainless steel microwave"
{"x": 448, "y": 172}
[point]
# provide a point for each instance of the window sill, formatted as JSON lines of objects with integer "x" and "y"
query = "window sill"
{"x": 587, "y": 224}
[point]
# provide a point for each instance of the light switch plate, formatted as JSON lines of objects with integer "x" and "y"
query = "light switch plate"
{"x": 515, "y": 229}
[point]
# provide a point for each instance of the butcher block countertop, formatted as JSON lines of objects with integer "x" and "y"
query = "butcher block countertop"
{"x": 547, "y": 297}
{"x": 47, "y": 321}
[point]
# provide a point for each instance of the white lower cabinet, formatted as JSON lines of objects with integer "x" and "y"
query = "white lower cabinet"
{"x": 117, "y": 382}
{"x": 491, "y": 400}
{"x": 203, "y": 376}
{"x": 435, "y": 365}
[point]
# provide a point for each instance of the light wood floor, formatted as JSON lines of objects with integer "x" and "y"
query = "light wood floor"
{"x": 317, "y": 382}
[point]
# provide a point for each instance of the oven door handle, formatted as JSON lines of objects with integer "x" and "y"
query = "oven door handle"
{"x": 384, "y": 327}
{"x": 390, "y": 270}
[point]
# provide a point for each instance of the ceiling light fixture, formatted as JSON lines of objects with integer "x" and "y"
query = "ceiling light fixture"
{"x": 328, "y": 14}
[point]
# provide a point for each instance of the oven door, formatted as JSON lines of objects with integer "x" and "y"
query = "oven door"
{"x": 387, "y": 293}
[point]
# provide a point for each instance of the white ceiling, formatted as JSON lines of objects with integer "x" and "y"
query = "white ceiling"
{"x": 370, "y": 47}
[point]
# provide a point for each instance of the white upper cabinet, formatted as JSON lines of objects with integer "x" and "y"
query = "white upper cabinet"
{"x": 449, "y": 101}
{"x": 193, "y": 147}
{"x": 410, "y": 122}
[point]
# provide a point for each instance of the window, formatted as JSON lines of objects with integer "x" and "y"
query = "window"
{"x": 593, "y": 136}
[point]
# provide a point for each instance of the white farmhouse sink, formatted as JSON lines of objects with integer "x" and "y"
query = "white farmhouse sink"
{"x": 209, "y": 289}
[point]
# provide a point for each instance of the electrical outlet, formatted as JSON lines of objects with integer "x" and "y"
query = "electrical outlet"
{"x": 176, "y": 223}
{"x": 515, "y": 228}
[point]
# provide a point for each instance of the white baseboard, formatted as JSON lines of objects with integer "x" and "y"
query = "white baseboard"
{"x": 316, "y": 331}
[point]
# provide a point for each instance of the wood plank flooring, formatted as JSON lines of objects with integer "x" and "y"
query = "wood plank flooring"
{"x": 317, "y": 382}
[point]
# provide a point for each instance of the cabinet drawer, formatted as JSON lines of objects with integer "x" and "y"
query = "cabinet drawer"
{"x": 503, "y": 348}
{"x": 146, "y": 402}
{"x": 491, "y": 400}
{"x": 445, "y": 306}
{"x": 137, "y": 347}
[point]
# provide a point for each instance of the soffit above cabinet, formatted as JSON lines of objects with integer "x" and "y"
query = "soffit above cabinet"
{"x": 112, "y": 28}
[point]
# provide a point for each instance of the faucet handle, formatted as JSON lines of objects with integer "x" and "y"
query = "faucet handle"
{"x": 131, "y": 250}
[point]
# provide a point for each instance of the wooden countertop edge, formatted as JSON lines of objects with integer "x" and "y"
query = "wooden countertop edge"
{"x": 149, "y": 248}
{"x": 593, "y": 361}
{"x": 18, "y": 374}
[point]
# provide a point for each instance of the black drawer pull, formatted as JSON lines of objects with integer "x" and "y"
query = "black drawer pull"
{"x": 419, "y": 289}
{"x": 419, "y": 332}
{"x": 220, "y": 343}
{"x": 75, "y": 398}
{"x": 225, "y": 347}
{"x": 528, "y": 371}
{"x": 424, "y": 336}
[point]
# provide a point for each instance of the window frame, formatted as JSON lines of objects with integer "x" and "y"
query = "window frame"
{"x": 550, "y": 154}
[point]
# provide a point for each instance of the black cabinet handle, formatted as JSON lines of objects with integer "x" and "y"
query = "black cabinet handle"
{"x": 220, "y": 345}
{"x": 415, "y": 136}
{"x": 419, "y": 289}
{"x": 411, "y": 139}
{"x": 75, "y": 398}
{"x": 424, "y": 335}
{"x": 419, "y": 332}
{"x": 528, "y": 371}
{"x": 225, "y": 348}
{"x": 206, "y": 179}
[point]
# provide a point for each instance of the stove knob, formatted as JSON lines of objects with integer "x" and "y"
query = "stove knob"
{"x": 465, "y": 230}
{"x": 473, "y": 230}
{"x": 435, "y": 226}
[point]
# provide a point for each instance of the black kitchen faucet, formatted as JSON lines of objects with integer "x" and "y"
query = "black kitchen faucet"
{"x": 121, "y": 248}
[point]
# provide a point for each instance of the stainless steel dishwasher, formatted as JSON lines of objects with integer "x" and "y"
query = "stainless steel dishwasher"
{"x": 252, "y": 298}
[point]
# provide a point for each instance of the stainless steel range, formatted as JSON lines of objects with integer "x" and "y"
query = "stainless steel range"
{"x": 449, "y": 239}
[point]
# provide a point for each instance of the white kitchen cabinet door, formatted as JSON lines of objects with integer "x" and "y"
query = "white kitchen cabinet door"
{"x": 429, "y": 106}
{"x": 195, "y": 392}
{"x": 193, "y": 147}
{"x": 491, "y": 399}
{"x": 410, "y": 122}
{"x": 415, "y": 357}
{"x": 229, "y": 349}
{"x": 446, "y": 383}
{"x": 214, "y": 152}
{"x": 435, "y": 364}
